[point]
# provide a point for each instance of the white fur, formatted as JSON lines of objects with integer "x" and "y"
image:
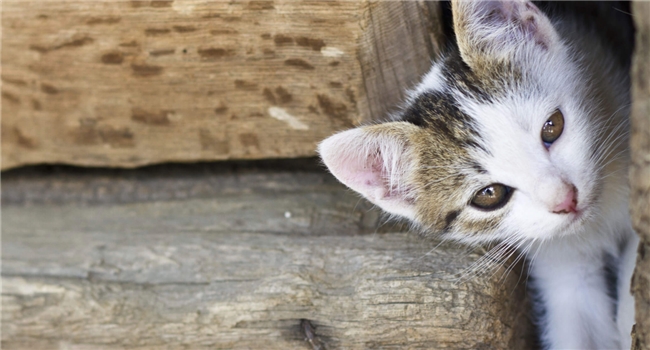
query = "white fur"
{"x": 567, "y": 252}
{"x": 567, "y": 255}
{"x": 432, "y": 81}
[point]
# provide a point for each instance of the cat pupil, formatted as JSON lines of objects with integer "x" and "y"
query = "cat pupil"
{"x": 553, "y": 128}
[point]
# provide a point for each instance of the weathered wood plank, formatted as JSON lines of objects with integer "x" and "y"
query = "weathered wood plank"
{"x": 149, "y": 274}
{"x": 246, "y": 290}
{"x": 252, "y": 196}
{"x": 128, "y": 83}
{"x": 640, "y": 171}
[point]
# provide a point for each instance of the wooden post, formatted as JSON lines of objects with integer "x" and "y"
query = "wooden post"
{"x": 640, "y": 171}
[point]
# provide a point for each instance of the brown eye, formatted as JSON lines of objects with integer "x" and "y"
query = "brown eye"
{"x": 553, "y": 128}
{"x": 492, "y": 197}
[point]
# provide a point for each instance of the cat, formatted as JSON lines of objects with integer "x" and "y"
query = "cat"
{"x": 518, "y": 135}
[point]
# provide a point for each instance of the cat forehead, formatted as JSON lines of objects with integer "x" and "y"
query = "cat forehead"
{"x": 450, "y": 107}
{"x": 491, "y": 80}
{"x": 469, "y": 134}
{"x": 450, "y": 128}
{"x": 440, "y": 103}
{"x": 453, "y": 99}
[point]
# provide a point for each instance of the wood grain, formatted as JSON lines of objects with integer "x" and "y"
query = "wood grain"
{"x": 261, "y": 262}
{"x": 640, "y": 171}
{"x": 129, "y": 83}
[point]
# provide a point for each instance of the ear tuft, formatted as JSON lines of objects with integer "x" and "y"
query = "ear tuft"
{"x": 498, "y": 29}
{"x": 376, "y": 161}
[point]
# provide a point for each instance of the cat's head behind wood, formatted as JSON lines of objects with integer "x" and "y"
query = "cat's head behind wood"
{"x": 499, "y": 140}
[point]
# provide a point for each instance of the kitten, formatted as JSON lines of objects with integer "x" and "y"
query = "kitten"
{"x": 518, "y": 136}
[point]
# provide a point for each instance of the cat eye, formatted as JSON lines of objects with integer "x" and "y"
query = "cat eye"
{"x": 492, "y": 197}
{"x": 553, "y": 128}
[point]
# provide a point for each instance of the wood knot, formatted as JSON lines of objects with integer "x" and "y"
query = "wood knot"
{"x": 309, "y": 331}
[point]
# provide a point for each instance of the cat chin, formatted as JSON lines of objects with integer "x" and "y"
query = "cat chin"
{"x": 575, "y": 223}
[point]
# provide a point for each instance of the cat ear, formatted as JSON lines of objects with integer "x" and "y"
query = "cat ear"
{"x": 376, "y": 161}
{"x": 498, "y": 29}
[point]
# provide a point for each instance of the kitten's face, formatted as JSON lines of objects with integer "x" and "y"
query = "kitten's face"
{"x": 497, "y": 142}
{"x": 504, "y": 179}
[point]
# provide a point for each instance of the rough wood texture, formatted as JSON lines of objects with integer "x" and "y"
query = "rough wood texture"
{"x": 398, "y": 45}
{"x": 128, "y": 83}
{"x": 240, "y": 269}
{"x": 640, "y": 171}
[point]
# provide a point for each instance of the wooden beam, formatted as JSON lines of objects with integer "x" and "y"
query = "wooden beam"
{"x": 264, "y": 264}
{"x": 129, "y": 83}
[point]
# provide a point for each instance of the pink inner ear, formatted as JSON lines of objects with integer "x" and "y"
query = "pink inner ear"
{"x": 534, "y": 24}
{"x": 523, "y": 18}
{"x": 368, "y": 176}
{"x": 363, "y": 174}
{"x": 371, "y": 164}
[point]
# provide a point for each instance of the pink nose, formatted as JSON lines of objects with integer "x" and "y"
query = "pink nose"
{"x": 569, "y": 204}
